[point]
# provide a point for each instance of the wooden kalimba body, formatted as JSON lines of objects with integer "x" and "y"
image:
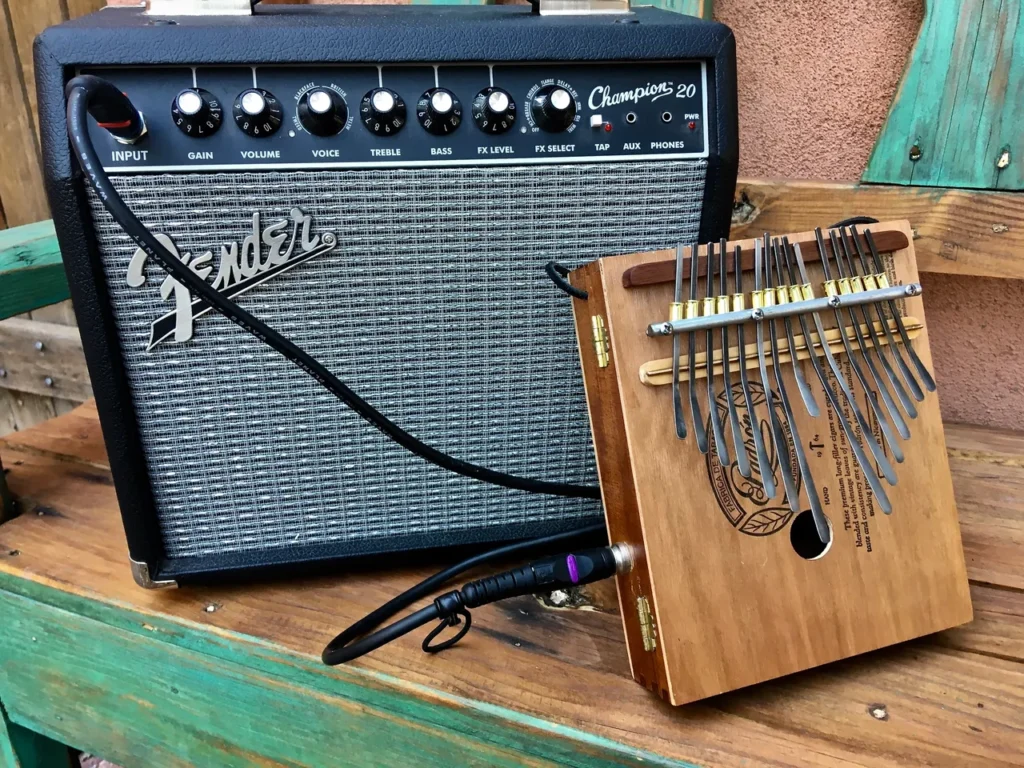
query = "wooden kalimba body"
{"x": 733, "y": 582}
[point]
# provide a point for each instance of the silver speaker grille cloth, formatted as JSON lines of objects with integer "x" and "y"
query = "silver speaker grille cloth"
{"x": 434, "y": 307}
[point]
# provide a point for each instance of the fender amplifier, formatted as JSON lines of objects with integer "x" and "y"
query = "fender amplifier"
{"x": 384, "y": 186}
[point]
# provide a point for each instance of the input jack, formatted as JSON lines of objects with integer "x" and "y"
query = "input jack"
{"x": 631, "y": 117}
{"x": 666, "y": 117}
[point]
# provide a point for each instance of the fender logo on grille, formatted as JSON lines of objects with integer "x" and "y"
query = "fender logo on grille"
{"x": 238, "y": 269}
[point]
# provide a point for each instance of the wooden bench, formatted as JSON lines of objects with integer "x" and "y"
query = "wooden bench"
{"x": 230, "y": 674}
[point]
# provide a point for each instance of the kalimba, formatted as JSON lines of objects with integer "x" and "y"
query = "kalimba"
{"x": 770, "y": 448}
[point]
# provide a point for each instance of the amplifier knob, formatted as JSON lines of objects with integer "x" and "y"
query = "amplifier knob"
{"x": 197, "y": 112}
{"x": 494, "y": 110}
{"x": 257, "y": 112}
{"x": 323, "y": 112}
{"x": 383, "y": 111}
{"x": 439, "y": 111}
{"x": 554, "y": 108}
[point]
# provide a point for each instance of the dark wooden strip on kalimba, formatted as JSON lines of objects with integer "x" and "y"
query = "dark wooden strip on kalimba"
{"x": 657, "y": 272}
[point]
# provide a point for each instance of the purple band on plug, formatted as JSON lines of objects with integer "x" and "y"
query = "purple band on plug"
{"x": 574, "y": 572}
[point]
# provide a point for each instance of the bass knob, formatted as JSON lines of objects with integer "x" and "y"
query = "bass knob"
{"x": 494, "y": 110}
{"x": 439, "y": 111}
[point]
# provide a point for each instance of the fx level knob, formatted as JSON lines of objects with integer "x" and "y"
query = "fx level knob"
{"x": 323, "y": 112}
{"x": 197, "y": 113}
{"x": 494, "y": 110}
{"x": 258, "y": 112}
{"x": 439, "y": 111}
{"x": 553, "y": 108}
{"x": 382, "y": 111}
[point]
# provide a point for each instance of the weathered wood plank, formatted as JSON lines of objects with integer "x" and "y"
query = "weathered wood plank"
{"x": 78, "y": 8}
{"x": 43, "y": 359}
{"x": 22, "y": 748}
{"x": 31, "y": 270}
{"x": 21, "y": 182}
{"x": 960, "y": 101}
{"x": 28, "y": 19}
{"x": 957, "y": 231}
{"x": 530, "y": 666}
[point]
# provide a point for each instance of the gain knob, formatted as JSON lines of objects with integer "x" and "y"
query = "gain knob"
{"x": 553, "y": 108}
{"x": 494, "y": 110}
{"x": 383, "y": 111}
{"x": 322, "y": 112}
{"x": 257, "y": 112}
{"x": 439, "y": 111}
{"x": 197, "y": 112}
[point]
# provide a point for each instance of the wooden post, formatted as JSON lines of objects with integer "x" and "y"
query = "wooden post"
{"x": 6, "y": 499}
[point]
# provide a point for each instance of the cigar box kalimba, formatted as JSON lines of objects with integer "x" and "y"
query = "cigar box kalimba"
{"x": 788, "y": 503}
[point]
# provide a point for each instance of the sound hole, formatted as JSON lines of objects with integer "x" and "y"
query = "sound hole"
{"x": 804, "y": 537}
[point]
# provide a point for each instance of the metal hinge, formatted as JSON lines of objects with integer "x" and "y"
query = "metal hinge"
{"x": 647, "y": 629}
{"x": 199, "y": 7}
{"x": 599, "y": 334}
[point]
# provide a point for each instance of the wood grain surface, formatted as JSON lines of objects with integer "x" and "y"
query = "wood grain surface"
{"x": 91, "y": 659}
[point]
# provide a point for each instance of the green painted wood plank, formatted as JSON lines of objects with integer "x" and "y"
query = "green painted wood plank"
{"x": 31, "y": 271}
{"x": 22, "y": 748}
{"x": 113, "y": 681}
{"x": 960, "y": 101}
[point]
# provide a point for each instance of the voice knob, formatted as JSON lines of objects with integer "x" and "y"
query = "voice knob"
{"x": 322, "y": 112}
{"x": 257, "y": 112}
{"x": 197, "y": 112}
{"x": 439, "y": 111}
{"x": 383, "y": 111}
{"x": 553, "y": 108}
{"x": 494, "y": 110}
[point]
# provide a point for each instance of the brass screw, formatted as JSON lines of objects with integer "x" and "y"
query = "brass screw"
{"x": 915, "y": 152}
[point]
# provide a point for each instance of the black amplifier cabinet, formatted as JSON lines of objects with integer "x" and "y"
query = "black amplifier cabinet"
{"x": 383, "y": 185}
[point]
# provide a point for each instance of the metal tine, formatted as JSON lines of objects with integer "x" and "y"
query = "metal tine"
{"x": 844, "y": 385}
{"x": 883, "y": 422}
{"x": 922, "y": 370}
{"x": 890, "y": 404}
{"x": 716, "y": 421}
{"x": 763, "y": 464}
{"x": 677, "y": 400}
{"x": 820, "y": 521}
{"x": 699, "y": 432}
{"x": 908, "y": 376}
{"x": 798, "y": 369}
{"x": 781, "y": 447}
{"x": 742, "y": 461}
{"x": 833, "y": 399}
{"x": 845, "y": 263}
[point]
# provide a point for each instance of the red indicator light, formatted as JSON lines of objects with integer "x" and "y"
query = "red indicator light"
{"x": 607, "y": 127}
{"x": 692, "y": 126}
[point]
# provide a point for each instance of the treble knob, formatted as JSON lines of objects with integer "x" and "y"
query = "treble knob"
{"x": 439, "y": 111}
{"x": 323, "y": 112}
{"x": 383, "y": 111}
{"x": 197, "y": 112}
{"x": 258, "y": 112}
{"x": 553, "y": 108}
{"x": 494, "y": 110}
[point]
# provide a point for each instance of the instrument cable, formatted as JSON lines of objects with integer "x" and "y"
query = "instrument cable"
{"x": 113, "y": 110}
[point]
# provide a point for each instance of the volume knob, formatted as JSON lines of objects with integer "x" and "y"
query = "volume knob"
{"x": 382, "y": 111}
{"x": 257, "y": 112}
{"x": 553, "y": 108}
{"x": 197, "y": 112}
{"x": 323, "y": 112}
{"x": 439, "y": 111}
{"x": 494, "y": 110}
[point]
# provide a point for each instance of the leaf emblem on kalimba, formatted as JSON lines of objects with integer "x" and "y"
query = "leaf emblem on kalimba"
{"x": 743, "y": 500}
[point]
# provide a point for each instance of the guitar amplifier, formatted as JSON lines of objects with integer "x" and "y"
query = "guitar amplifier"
{"x": 384, "y": 186}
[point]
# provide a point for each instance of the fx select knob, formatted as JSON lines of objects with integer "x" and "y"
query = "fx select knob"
{"x": 494, "y": 110}
{"x": 553, "y": 108}
{"x": 197, "y": 112}
{"x": 439, "y": 111}
{"x": 323, "y": 112}
{"x": 382, "y": 111}
{"x": 258, "y": 112}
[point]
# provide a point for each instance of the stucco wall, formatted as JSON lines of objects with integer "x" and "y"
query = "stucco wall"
{"x": 816, "y": 79}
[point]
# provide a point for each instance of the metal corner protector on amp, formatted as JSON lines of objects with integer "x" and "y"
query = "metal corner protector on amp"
{"x": 373, "y": 203}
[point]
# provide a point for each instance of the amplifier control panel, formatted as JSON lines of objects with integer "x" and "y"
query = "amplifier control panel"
{"x": 350, "y": 116}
